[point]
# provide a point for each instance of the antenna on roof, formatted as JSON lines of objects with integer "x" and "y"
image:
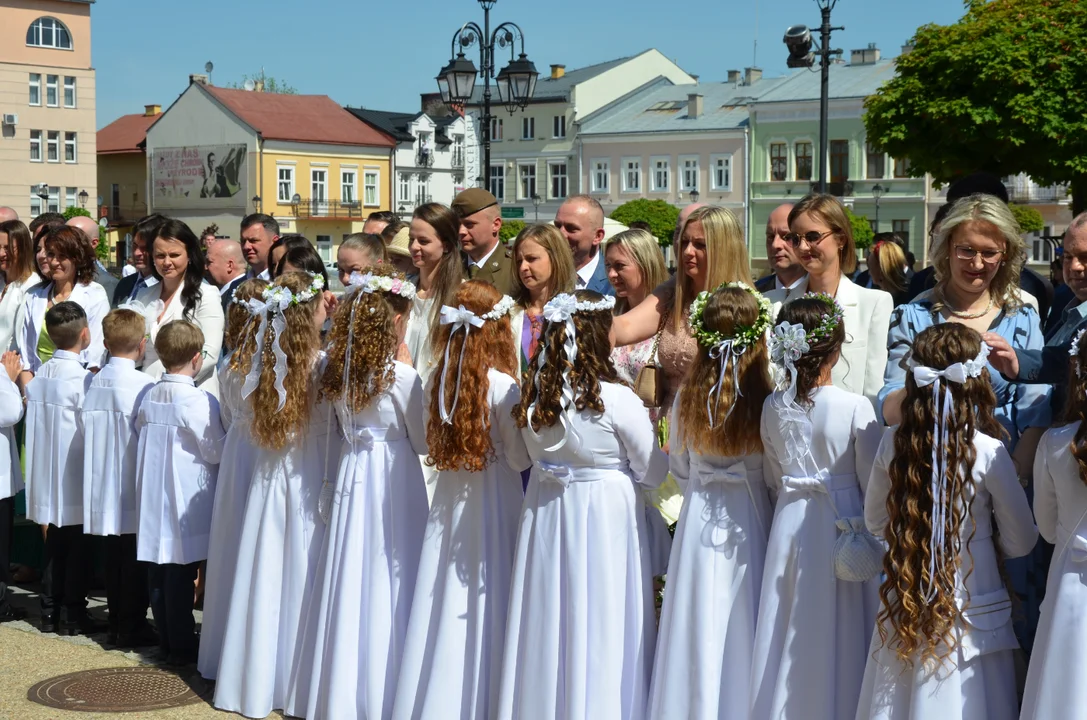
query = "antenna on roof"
{"x": 208, "y": 67}
{"x": 755, "y": 52}
{"x": 249, "y": 85}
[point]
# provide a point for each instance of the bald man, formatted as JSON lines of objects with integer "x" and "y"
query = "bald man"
{"x": 89, "y": 228}
{"x": 225, "y": 265}
{"x": 785, "y": 268}
{"x": 7, "y": 213}
{"x": 581, "y": 221}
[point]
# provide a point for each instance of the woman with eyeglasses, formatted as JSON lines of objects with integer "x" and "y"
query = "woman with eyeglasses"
{"x": 823, "y": 238}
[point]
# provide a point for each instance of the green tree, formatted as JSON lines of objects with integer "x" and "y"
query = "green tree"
{"x": 661, "y": 217}
{"x": 510, "y": 230}
{"x": 862, "y": 230}
{"x": 72, "y": 211}
{"x": 1002, "y": 90}
{"x": 271, "y": 84}
{"x": 1029, "y": 219}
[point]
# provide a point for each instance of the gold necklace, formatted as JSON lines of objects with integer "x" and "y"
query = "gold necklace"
{"x": 971, "y": 316}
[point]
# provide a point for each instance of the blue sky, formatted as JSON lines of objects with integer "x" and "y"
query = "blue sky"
{"x": 381, "y": 55}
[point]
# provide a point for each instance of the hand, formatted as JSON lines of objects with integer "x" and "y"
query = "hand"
{"x": 403, "y": 354}
{"x": 12, "y": 364}
{"x": 331, "y": 302}
{"x": 1002, "y": 356}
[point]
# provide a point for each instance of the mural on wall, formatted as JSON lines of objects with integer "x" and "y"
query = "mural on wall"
{"x": 202, "y": 176}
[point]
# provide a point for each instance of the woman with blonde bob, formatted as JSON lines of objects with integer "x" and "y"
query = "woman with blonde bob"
{"x": 280, "y": 532}
{"x": 635, "y": 266}
{"x": 543, "y": 267}
{"x": 887, "y": 267}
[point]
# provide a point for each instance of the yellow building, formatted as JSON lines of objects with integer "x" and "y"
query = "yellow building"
{"x": 122, "y": 175}
{"x": 218, "y": 154}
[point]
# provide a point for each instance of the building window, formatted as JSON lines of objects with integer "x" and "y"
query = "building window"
{"x": 319, "y": 185}
{"x": 601, "y": 176}
{"x": 69, "y": 92}
{"x": 52, "y": 90}
{"x": 498, "y": 181}
{"x": 35, "y": 146}
{"x": 528, "y": 128}
{"x": 370, "y": 180}
{"x": 496, "y": 128}
{"x": 839, "y": 160}
{"x": 349, "y": 191}
{"x": 54, "y": 199}
{"x": 689, "y": 178}
{"x": 48, "y": 32}
{"x": 35, "y": 89}
{"x": 324, "y": 248}
{"x": 803, "y": 161}
{"x": 779, "y": 162}
{"x": 69, "y": 197}
{"x": 35, "y": 202}
{"x": 902, "y": 167}
{"x": 528, "y": 180}
{"x": 286, "y": 184}
{"x": 558, "y": 181}
{"x": 876, "y": 162}
{"x": 901, "y": 228}
{"x": 52, "y": 146}
{"x": 661, "y": 171}
{"x": 559, "y": 127}
{"x": 632, "y": 175}
{"x": 722, "y": 172}
{"x": 458, "y": 151}
{"x": 69, "y": 148}
{"x": 405, "y": 187}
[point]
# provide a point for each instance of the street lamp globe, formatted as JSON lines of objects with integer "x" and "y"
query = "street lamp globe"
{"x": 694, "y": 196}
{"x": 877, "y": 191}
{"x": 517, "y": 83}
{"x": 457, "y": 80}
{"x": 83, "y": 197}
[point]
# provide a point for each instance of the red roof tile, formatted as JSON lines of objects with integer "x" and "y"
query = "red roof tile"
{"x": 125, "y": 134}
{"x": 299, "y": 118}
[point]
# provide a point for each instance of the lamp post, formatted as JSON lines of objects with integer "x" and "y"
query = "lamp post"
{"x": 256, "y": 203}
{"x": 799, "y": 42}
{"x": 694, "y": 196}
{"x": 536, "y": 200}
{"x": 83, "y": 197}
{"x": 43, "y": 192}
{"x": 516, "y": 82}
{"x": 877, "y": 193}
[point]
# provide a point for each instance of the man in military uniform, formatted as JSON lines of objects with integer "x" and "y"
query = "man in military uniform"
{"x": 480, "y": 221}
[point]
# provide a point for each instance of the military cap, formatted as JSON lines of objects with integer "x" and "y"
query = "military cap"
{"x": 470, "y": 201}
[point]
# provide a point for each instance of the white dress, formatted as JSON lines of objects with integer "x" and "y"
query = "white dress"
{"x": 453, "y": 652}
{"x": 280, "y": 539}
{"x": 11, "y": 412}
{"x": 977, "y": 681}
{"x": 12, "y": 297}
{"x": 711, "y": 599}
{"x": 1055, "y": 686}
{"x": 207, "y": 315}
{"x": 355, "y": 620}
{"x": 813, "y": 631}
{"x": 95, "y": 303}
{"x": 181, "y": 440}
{"x": 231, "y": 492}
{"x": 109, "y": 449}
{"x": 580, "y": 635}
{"x": 54, "y": 441}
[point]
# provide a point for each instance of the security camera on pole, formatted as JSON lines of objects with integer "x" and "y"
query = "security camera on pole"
{"x": 799, "y": 42}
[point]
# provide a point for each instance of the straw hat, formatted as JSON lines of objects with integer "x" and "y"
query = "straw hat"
{"x": 399, "y": 244}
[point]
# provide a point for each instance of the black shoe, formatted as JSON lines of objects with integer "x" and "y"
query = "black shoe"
{"x": 49, "y": 623}
{"x": 180, "y": 660}
{"x": 144, "y": 637}
{"x": 12, "y": 613}
{"x": 85, "y": 625}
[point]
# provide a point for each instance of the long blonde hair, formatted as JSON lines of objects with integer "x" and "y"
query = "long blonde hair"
{"x": 563, "y": 274}
{"x": 646, "y": 253}
{"x": 726, "y": 257}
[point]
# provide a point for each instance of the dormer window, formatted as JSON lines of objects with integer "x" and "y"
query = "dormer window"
{"x": 47, "y": 32}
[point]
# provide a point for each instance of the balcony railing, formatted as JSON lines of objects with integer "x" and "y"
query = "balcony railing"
{"x": 123, "y": 214}
{"x": 327, "y": 208}
{"x": 840, "y": 188}
{"x": 1027, "y": 194}
{"x": 458, "y": 157}
{"x": 424, "y": 158}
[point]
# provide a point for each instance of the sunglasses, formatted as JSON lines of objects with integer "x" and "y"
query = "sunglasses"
{"x": 813, "y": 237}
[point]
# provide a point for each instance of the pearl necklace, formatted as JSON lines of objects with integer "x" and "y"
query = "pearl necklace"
{"x": 971, "y": 316}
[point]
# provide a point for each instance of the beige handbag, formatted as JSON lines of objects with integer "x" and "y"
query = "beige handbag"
{"x": 649, "y": 385}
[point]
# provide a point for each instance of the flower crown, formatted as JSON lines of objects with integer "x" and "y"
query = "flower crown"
{"x": 282, "y": 298}
{"x": 829, "y": 322}
{"x": 742, "y": 335}
{"x": 370, "y": 283}
{"x": 563, "y": 306}
{"x": 1073, "y": 351}
{"x": 502, "y": 307}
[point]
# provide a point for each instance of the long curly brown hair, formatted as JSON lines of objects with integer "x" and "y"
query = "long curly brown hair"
{"x": 273, "y": 427}
{"x": 822, "y": 352}
{"x": 240, "y": 333}
{"x": 738, "y": 433}
{"x": 592, "y": 366}
{"x": 465, "y": 443}
{"x": 915, "y": 624}
{"x": 1075, "y": 407}
{"x": 369, "y": 321}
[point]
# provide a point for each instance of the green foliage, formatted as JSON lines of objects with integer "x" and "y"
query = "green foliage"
{"x": 862, "y": 230}
{"x": 72, "y": 211}
{"x": 1029, "y": 219}
{"x": 510, "y": 230}
{"x": 661, "y": 217}
{"x": 1001, "y": 91}
{"x": 271, "y": 84}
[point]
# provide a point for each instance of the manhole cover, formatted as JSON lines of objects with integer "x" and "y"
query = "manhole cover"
{"x": 125, "y": 689}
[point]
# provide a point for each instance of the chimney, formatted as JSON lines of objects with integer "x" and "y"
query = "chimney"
{"x": 557, "y": 71}
{"x": 198, "y": 78}
{"x": 694, "y": 105}
{"x": 734, "y": 76}
{"x": 907, "y": 49}
{"x": 152, "y": 110}
{"x": 752, "y": 75}
{"x": 695, "y": 78}
{"x": 868, "y": 56}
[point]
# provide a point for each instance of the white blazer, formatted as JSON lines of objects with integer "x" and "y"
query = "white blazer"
{"x": 517, "y": 325}
{"x": 208, "y": 316}
{"x": 14, "y": 295}
{"x": 94, "y": 301}
{"x": 867, "y": 316}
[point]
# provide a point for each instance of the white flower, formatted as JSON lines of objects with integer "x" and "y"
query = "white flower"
{"x": 788, "y": 342}
{"x": 561, "y": 308}
{"x": 975, "y": 366}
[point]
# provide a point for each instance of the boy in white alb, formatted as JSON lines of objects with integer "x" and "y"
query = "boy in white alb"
{"x": 181, "y": 438}
{"x": 11, "y": 477}
{"x": 109, "y": 474}
{"x": 54, "y": 470}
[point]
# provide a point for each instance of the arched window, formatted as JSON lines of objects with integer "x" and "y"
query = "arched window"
{"x": 49, "y": 32}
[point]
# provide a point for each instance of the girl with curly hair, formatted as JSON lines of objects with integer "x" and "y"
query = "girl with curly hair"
{"x": 815, "y": 619}
{"x": 235, "y": 473}
{"x": 375, "y": 506}
{"x": 453, "y": 653}
{"x": 580, "y": 635}
{"x": 941, "y": 480}
{"x": 715, "y": 569}
{"x": 281, "y": 534}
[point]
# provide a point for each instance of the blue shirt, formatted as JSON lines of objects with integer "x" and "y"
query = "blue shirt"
{"x": 1018, "y": 405}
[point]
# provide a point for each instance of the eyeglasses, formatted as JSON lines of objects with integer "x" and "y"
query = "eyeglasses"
{"x": 989, "y": 257}
{"x": 813, "y": 237}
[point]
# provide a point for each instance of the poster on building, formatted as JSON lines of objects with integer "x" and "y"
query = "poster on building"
{"x": 203, "y": 176}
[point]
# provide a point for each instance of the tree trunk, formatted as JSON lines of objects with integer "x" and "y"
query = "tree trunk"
{"x": 1078, "y": 188}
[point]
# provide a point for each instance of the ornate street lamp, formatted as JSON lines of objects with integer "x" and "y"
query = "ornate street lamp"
{"x": 877, "y": 193}
{"x": 83, "y": 197}
{"x": 536, "y": 200}
{"x": 694, "y": 195}
{"x": 256, "y": 203}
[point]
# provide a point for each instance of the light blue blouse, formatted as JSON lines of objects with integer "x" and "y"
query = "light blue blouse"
{"x": 1018, "y": 405}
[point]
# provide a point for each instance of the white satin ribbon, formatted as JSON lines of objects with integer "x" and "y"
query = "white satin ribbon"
{"x": 724, "y": 351}
{"x": 560, "y": 474}
{"x": 1077, "y": 549}
{"x": 560, "y": 309}
{"x": 274, "y": 306}
{"x": 732, "y": 475}
{"x": 459, "y": 318}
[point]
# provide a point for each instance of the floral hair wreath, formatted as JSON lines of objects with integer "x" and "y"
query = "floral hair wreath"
{"x": 370, "y": 283}
{"x": 564, "y": 305}
{"x": 743, "y": 335}
{"x": 829, "y": 322}
{"x": 1073, "y": 351}
{"x": 283, "y": 298}
{"x": 501, "y": 308}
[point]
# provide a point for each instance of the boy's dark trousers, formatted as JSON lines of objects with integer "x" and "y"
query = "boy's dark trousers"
{"x": 171, "y": 588}
{"x": 126, "y": 588}
{"x": 65, "y": 579}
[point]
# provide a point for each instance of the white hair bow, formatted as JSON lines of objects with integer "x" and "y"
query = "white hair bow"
{"x": 459, "y": 318}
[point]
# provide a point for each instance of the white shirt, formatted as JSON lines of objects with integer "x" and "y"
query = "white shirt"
{"x": 208, "y": 316}
{"x": 585, "y": 274}
{"x": 128, "y": 269}
{"x": 223, "y": 289}
{"x": 483, "y": 260}
{"x": 142, "y": 282}
{"x": 264, "y": 274}
{"x": 778, "y": 285}
{"x": 12, "y": 296}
